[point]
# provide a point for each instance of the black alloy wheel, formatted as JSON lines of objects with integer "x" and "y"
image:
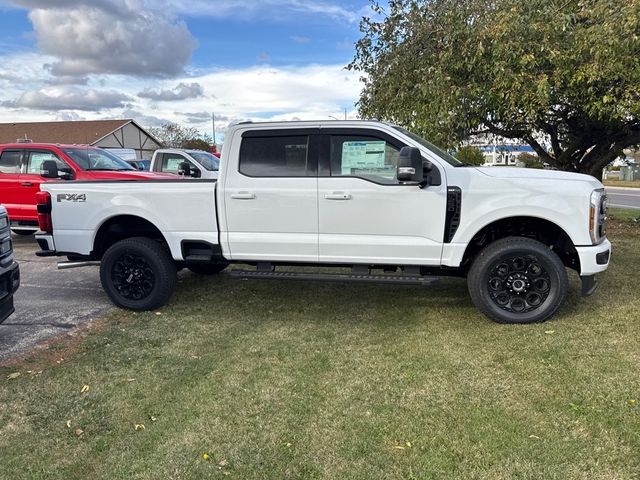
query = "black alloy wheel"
{"x": 518, "y": 280}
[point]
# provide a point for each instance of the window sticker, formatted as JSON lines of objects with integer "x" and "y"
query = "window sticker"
{"x": 361, "y": 157}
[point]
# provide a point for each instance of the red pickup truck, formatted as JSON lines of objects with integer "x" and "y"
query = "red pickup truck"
{"x": 24, "y": 166}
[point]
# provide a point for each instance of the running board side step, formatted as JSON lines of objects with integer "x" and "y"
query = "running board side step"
{"x": 336, "y": 277}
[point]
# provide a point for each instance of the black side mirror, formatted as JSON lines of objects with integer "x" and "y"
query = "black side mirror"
{"x": 195, "y": 172}
{"x": 184, "y": 169}
{"x": 410, "y": 165}
{"x": 49, "y": 169}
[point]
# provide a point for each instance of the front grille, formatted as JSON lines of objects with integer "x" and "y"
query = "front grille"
{"x": 6, "y": 250}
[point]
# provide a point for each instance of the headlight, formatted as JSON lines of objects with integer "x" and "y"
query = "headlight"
{"x": 598, "y": 216}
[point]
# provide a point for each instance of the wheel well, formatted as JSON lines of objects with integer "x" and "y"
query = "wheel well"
{"x": 539, "y": 229}
{"x": 121, "y": 227}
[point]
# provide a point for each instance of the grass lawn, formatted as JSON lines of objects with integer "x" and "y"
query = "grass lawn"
{"x": 621, "y": 183}
{"x": 312, "y": 380}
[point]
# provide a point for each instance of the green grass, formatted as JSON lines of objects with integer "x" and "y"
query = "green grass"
{"x": 311, "y": 380}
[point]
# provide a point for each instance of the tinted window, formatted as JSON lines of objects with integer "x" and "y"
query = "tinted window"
{"x": 35, "y": 160}
{"x": 367, "y": 157}
{"x": 10, "y": 162}
{"x": 207, "y": 160}
{"x": 275, "y": 156}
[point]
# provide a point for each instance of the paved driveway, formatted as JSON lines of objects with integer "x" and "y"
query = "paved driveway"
{"x": 49, "y": 301}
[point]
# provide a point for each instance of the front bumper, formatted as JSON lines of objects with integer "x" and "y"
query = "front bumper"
{"x": 9, "y": 283}
{"x": 595, "y": 258}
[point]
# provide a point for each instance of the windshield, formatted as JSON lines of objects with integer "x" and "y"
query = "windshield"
{"x": 207, "y": 160}
{"x": 450, "y": 159}
{"x": 96, "y": 159}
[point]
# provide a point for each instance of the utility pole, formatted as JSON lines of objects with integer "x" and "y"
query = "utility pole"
{"x": 345, "y": 113}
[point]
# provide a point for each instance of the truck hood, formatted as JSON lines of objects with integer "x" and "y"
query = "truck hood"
{"x": 128, "y": 175}
{"x": 536, "y": 174}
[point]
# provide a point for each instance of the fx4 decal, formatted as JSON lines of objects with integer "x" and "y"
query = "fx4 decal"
{"x": 72, "y": 197}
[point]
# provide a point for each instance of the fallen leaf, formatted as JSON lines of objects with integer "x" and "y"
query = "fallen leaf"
{"x": 205, "y": 456}
{"x": 153, "y": 419}
{"x": 549, "y": 332}
{"x": 632, "y": 402}
{"x": 399, "y": 447}
{"x": 78, "y": 432}
{"x": 158, "y": 313}
{"x": 84, "y": 389}
{"x": 288, "y": 444}
{"x": 534, "y": 436}
{"x": 13, "y": 376}
{"x": 139, "y": 426}
{"x": 409, "y": 444}
{"x": 223, "y": 463}
{"x": 131, "y": 379}
{"x": 68, "y": 423}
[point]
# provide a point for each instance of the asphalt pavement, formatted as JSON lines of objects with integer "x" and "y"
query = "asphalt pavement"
{"x": 49, "y": 302}
{"x": 623, "y": 197}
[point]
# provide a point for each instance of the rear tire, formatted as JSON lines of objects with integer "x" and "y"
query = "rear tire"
{"x": 207, "y": 268}
{"x": 138, "y": 274}
{"x": 518, "y": 280}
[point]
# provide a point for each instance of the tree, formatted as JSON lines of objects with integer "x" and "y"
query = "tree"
{"x": 470, "y": 155}
{"x": 530, "y": 161}
{"x": 562, "y": 75}
{"x": 172, "y": 135}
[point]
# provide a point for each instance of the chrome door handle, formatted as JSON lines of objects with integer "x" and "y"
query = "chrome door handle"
{"x": 27, "y": 184}
{"x": 243, "y": 196}
{"x": 337, "y": 196}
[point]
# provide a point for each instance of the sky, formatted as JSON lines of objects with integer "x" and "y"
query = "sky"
{"x": 160, "y": 61}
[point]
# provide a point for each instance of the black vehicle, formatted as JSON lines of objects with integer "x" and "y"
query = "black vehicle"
{"x": 9, "y": 270}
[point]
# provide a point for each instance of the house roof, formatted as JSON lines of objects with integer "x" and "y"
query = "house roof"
{"x": 78, "y": 132}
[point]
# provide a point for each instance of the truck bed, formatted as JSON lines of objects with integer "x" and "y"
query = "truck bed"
{"x": 180, "y": 209}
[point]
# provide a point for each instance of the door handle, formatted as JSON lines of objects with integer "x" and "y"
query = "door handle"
{"x": 337, "y": 196}
{"x": 27, "y": 184}
{"x": 243, "y": 196}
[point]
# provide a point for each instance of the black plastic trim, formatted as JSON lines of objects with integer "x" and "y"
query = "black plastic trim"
{"x": 589, "y": 285}
{"x": 454, "y": 207}
{"x": 602, "y": 258}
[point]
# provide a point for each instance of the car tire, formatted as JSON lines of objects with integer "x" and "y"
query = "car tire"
{"x": 23, "y": 232}
{"x": 138, "y": 274}
{"x": 518, "y": 280}
{"x": 207, "y": 268}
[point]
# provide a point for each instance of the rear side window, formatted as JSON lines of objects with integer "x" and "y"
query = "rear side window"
{"x": 10, "y": 161}
{"x": 275, "y": 156}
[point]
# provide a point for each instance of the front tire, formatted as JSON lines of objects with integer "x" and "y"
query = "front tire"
{"x": 518, "y": 280}
{"x": 138, "y": 274}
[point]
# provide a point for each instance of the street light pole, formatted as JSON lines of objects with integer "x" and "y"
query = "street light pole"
{"x": 213, "y": 121}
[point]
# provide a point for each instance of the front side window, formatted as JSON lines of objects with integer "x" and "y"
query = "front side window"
{"x": 35, "y": 159}
{"x": 207, "y": 160}
{"x": 10, "y": 161}
{"x": 171, "y": 162}
{"x": 366, "y": 157}
{"x": 275, "y": 156}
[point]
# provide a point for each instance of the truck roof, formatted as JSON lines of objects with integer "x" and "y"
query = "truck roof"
{"x": 310, "y": 123}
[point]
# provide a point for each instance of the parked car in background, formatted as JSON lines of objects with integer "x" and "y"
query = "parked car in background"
{"x": 190, "y": 163}
{"x": 24, "y": 166}
{"x": 9, "y": 270}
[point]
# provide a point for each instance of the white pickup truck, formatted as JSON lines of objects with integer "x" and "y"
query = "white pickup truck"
{"x": 363, "y": 195}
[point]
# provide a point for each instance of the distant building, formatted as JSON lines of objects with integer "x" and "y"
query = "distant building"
{"x": 504, "y": 154}
{"x": 99, "y": 133}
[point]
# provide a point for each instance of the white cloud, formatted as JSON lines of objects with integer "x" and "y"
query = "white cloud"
{"x": 182, "y": 91}
{"x": 73, "y": 98}
{"x": 115, "y": 37}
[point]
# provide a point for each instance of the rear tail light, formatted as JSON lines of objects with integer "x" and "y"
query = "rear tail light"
{"x": 44, "y": 212}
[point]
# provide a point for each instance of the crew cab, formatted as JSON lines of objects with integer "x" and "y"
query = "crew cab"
{"x": 188, "y": 163}
{"x": 22, "y": 172}
{"x": 9, "y": 270}
{"x": 369, "y": 196}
